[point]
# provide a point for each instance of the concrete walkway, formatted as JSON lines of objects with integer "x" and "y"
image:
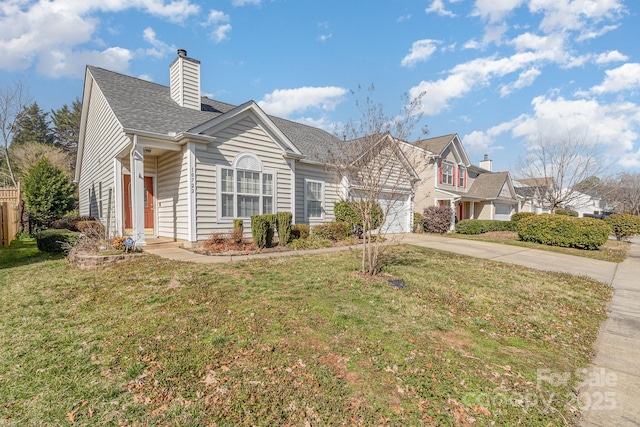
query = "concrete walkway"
{"x": 610, "y": 395}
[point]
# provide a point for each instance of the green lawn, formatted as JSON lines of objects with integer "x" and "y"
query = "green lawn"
{"x": 612, "y": 251}
{"x": 303, "y": 340}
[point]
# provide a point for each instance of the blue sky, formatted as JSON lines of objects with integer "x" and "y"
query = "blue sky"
{"x": 500, "y": 73}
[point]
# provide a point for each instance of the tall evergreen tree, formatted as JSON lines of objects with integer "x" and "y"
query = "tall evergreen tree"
{"x": 32, "y": 125}
{"x": 66, "y": 126}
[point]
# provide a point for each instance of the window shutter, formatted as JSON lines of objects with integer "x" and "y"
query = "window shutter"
{"x": 440, "y": 173}
{"x": 454, "y": 172}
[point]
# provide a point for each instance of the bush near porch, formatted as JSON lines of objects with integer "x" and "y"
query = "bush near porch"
{"x": 564, "y": 231}
{"x": 479, "y": 226}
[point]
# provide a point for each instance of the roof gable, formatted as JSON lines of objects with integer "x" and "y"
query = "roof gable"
{"x": 491, "y": 185}
{"x": 439, "y": 144}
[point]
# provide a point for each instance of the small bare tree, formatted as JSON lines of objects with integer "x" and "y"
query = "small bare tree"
{"x": 375, "y": 172}
{"x": 566, "y": 164}
{"x": 12, "y": 101}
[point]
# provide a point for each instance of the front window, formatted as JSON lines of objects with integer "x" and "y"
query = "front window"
{"x": 244, "y": 193}
{"x": 447, "y": 174}
{"x": 463, "y": 177}
{"x": 314, "y": 195}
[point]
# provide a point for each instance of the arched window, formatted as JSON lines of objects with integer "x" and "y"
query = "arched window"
{"x": 245, "y": 188}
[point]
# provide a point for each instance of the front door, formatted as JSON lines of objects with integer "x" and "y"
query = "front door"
{"x": 148, "y": 203}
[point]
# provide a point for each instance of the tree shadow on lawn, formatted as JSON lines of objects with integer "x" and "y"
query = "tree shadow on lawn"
{"x": 23, "y": 252}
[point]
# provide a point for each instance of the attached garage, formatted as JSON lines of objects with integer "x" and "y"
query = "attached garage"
{"x": 503, "y": 212}
{"x": 398, "y": 213}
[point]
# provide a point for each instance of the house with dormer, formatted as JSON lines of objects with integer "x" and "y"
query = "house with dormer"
{"x": 164, "y": 161}
{"x": 448, "y": 178}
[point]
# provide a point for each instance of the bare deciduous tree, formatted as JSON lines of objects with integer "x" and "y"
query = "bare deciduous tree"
{"x": 12, "y": 101}
{"x": 623, "y": 192}
{"x": 568, "y": 164}
{"x": 375, "y": 171}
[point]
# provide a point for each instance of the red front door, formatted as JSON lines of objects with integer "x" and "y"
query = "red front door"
{"x": 148, "y": 202}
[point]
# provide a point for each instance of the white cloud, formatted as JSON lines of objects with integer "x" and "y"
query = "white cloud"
{"x": 159, "y": 48}
{"x": 495, "y": 10}
{"x": 421, "y": 50}
{"x": 245, "y": 2}
{"x": 472, "y": 44}
{"x": 221, "y": 33}
{"x": 46, "y": 32}
{"x": 574, "y": 15}
{"x": 614, "y": 126}
{"x": 284, "y": 102}
{"x": 626, "y": 77}
{"x": 525, "y": 79}
{"x": 146, "y": 77}
{"x": 324, "y": 37}
{"x": 404, "y": 18}
{"x": 58, "y": 63}
{"x": 610, "y": 56}
{"x": 437, "y": 6}
{"x": 322, "y": 123}
{"x": 216, "y": 16}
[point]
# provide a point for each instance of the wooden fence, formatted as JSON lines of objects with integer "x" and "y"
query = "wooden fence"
{"x": 10, "y": 200}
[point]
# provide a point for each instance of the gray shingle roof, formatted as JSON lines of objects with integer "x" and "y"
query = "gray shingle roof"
{"x": 146, "y": 106}
{"x": 488, "y": 185}
{"x": 435, "y": 145}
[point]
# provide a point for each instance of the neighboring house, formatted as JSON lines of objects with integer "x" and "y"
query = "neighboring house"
{"x": 588, "y": 202}
{"x": 532, "y": 194}
{"x": 165, "y": 162}
{"x": 449, "y": 179}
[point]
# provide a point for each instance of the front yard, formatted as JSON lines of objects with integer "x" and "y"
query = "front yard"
{"x": 292, "y": 341}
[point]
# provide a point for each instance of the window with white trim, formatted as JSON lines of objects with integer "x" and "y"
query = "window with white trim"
{"x": 314, "y": 199}
{"x": 462, "y": 171}
{"x": 245, "y": 189}
{"x": 447, "y": 173}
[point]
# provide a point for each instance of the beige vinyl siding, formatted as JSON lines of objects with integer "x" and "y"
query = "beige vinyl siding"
{"x": 332, "y": 190}
{"x": 505, "y": 192}
{"x": 103, "y": 139}
{"x": 483, "y": 210}
{"x": 244, "y": 136}
{"x": 171, "y": 198}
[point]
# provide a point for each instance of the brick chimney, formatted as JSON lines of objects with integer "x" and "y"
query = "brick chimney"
{"x": 184, "y": 75}
{"x": 486, "y": 163}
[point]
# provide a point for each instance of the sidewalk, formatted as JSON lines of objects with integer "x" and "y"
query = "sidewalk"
{"x": 611, "y": 397}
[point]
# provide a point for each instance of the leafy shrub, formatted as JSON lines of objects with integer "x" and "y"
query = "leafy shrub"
{"x": 48, "y": 193}
{"x": 261, "y": 230}
{"x": 561, "y": 230}
{"x": 479, "y": 226}
{"x": 418, "y": 223}
{"x": 567, "y": 212}
{"x": 56, "y": 240}
{"x": 437, "y": 219}
{"x": 334, "y": 231}
{"x": 521, "y": 215}
{"x": 283, "y": 224}
{"x": 623, "y": 226}
{"x": 300, "y": 231}
{"x": 238, "y": 224}
{"x": 351, "y": 214}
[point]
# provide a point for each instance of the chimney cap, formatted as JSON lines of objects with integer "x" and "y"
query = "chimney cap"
{"x": 486, "y": 157}
{"x": 182, "y": 53}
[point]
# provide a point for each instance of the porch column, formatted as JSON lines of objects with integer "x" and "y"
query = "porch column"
{"x": 137, "y": 192}
{"x": 471, "y": 210}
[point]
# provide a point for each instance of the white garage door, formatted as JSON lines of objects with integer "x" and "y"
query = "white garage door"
{"x": 398, "y": 215}
{"x": 503, "y": 212}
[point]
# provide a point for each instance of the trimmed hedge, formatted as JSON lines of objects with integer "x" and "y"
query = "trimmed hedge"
{"x": 334, "y": 231}
{"x": 262, "y": 229}
{"x": 564, "y": 231}
{"x": 567, "y": 212}
{"x": 300, "y": 231}
{"x": 347, "y": 212}
{"x": 623, "y": 226}
{"x": 521, "y": 215}
{"x": 56, "y": 240}
{"x": 283, "y": 225}
{"x": 479, "y": 226}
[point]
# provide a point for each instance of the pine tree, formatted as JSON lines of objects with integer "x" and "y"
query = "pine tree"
{"x": 48, "y": 193}
{"x": 32, "y": 125}
{"x": 66, "y": 126}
